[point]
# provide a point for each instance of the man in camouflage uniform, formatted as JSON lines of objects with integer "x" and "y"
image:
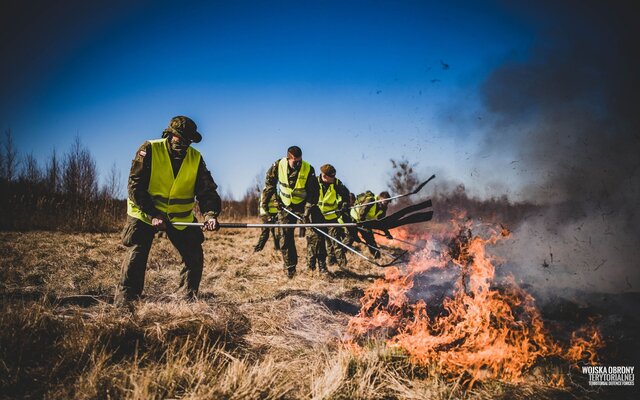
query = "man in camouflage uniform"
{"x": 333, "y": 201}
{"x": 267, "y": 217}
{"x": 167, "y": 176}
{"x": 368, "y": 213}
{"x": 294, "y": 184}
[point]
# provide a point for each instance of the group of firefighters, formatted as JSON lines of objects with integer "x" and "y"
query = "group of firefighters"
{"x": 167, "y": 177}
{"x": 293, "y": 192}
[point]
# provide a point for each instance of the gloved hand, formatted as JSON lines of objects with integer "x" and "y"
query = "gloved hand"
{"x": 159, "y": 222}
{"x": 211, "y": 224}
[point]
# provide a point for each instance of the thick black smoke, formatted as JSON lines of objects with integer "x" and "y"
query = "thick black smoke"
{"x": 571, "y": 112}
{"x": 573, "y": 108}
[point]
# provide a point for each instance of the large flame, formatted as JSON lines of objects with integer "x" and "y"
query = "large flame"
{"x": 480, "y": 330}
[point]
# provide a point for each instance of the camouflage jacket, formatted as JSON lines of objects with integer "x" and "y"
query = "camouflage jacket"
{"x": 341, "y": 190}
{"x": 208, "y": 199}
{"x": 368, "y": 197}
{"x": 271, "y": 183}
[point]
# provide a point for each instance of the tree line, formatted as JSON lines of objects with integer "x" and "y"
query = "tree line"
{"x": 63, "y": 192}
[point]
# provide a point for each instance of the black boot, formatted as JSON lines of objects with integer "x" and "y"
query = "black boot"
{"x": 322, "y": 267}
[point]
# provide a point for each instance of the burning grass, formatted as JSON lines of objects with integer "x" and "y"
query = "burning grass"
{"x": 479, "y": 329}
{"x": 256, "y": 334}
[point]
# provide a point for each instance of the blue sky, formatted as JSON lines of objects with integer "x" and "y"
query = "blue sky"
{"x": 352, "y": 83}
{"x": 538, "y": 100}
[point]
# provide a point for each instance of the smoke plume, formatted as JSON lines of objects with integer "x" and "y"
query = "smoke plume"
{"x": 571, "y": 113}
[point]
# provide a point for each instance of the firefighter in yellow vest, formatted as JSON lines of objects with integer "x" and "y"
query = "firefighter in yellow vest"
{"x": 294, "y": 184}
{"x": 333, "y": 201}
{"x": 368, "y": 213}
{"x": 268, "y": 216}
{"x": 167, "y": 177}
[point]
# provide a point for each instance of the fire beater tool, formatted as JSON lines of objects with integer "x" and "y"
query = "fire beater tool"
{"x": 408, "y": 215}
{"x": 342, "y": 244}
{"x": 416, "y": 190}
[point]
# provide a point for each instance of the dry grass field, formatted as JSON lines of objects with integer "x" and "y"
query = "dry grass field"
{"x": 253, "y": 334}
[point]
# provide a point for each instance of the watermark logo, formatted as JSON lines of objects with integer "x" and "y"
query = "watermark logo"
{"x": 601, "y": 375}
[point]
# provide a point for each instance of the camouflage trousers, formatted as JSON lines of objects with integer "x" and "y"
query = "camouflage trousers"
{"x": 318, "y": 246}
{"x": 351, "y": 234}
{"x": 370, "y": 240}
{"x": 139, "y": 236}
{"x": 264, "y": 234}
{"x": 286, "y": 241}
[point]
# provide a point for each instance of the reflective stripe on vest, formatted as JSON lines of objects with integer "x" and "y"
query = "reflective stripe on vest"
{"x": 298, "y": 193}
{"x": 173, "y": 196}
{"x": 328, "y": 201}
{"x": 273, "y": 210}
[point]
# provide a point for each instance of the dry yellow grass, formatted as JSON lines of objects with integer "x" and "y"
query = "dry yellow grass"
{"x": 253, "y": 333}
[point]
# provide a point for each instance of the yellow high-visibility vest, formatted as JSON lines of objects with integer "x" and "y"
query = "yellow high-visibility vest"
{"x": 374, "y": 212}
{"x": 273, "y": 210}
{"x": 297, "y": 193}
{"x": 173, "y": 196}
{"x": 328, "y": 201}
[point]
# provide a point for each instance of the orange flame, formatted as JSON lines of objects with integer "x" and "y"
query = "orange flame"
{"x": 584, "y": 345}
{"x": 479, "y": 332}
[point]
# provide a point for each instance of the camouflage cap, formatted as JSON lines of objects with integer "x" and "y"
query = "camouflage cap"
{"x": 328, "y": 170}
{"x": 185, "y": 128}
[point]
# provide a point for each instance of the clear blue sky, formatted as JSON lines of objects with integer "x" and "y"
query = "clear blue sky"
{"x": 352, "y": 83}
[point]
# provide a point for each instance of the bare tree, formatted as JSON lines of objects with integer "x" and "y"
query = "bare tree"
{"x": 403, "y": 178}
{"x": 79, "y": 175}
{"x": 9, "y": 157}
{"x": 251, "y": 196}
{"x": 31, "y": 172}
{"x": 88, "y": 175}
{"x": 53, "y": 173}
{"x": 71, "y": 170}
{"x": 112, "y": 187}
